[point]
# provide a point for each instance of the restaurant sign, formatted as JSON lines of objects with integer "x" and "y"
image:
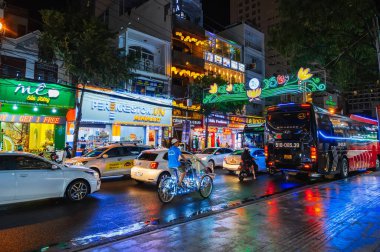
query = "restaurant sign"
{"x": 26, "y": 92}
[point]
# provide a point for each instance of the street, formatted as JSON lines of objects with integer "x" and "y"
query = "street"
{"x": 120, "y": 208}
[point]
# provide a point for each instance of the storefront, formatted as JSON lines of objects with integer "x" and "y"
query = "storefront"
{"x": 218, "y": 133}
{"x": 33, "y": 115}
{"x": 109, "y": 116}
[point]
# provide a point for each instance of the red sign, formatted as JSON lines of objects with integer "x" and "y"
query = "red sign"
{"x": 5, "y": 117}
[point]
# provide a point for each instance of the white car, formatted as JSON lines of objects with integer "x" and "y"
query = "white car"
{"x": 111, "y": 160}
{"x": 151, "y": 166}
{"x": 213, "y": 156}
{"x": 26, "y": 177}
{"x": 232, "y": 161}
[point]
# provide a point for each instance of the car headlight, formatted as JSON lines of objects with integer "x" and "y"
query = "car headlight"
{"x": 93, "y": 173}
{"x": 81, "y": 163}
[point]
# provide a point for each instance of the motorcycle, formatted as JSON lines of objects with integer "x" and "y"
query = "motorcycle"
{"x": 195, "y": 180}
{"x": 246, "y": 171}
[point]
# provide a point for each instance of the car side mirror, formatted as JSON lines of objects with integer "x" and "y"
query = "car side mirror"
{"x": 54, "y": 167}
{"x": 105, "y": 156}
{"x": 217, "y": 153}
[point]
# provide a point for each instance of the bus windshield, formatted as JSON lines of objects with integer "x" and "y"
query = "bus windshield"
{"x": 292, "y": 121}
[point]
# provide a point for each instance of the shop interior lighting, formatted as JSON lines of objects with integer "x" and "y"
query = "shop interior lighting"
{"x": 15, "y": 107}
{"x": 35, "y": 109}
{"x": 54, "y": 110}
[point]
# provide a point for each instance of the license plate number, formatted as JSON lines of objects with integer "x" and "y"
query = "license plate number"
{"x": 287, "y": 156}
{"x": 139, "y": 174}
{"x": 287, "y": 145}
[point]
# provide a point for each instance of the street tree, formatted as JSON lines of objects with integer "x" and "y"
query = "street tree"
{"x": 87, "y": 49}
{"x": 336, "y": 36}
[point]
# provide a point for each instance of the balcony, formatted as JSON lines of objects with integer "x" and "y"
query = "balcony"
{"x": 147, "y": 66}
{"x": 194, "y": 63}
{"x": 253, "y": 46}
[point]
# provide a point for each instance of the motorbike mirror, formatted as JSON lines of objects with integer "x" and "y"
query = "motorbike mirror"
{"x": 105, "y": 156}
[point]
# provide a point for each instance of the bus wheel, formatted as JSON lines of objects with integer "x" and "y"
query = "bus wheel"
{"x": 377, "y": 167}
{"x": 344, "y": 168}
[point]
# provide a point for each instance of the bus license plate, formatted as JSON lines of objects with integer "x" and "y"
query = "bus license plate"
{"x": 286, "y": 145}
{"x": 287, "y": 156}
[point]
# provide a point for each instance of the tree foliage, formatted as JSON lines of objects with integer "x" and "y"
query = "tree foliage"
{"x": 86, "y": 47}
{"x": 334, "y": 35}
{"x": 200, "y": 88}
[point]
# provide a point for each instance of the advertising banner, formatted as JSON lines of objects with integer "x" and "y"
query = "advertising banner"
{"x": 5, "y": 117}
{"x": 26, "y": 92}
{"x": 106, "y": 108}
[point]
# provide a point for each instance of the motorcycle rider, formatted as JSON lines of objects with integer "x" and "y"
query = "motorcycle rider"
{"x": 248, "y": 161}
{"x": 173, "y": 161}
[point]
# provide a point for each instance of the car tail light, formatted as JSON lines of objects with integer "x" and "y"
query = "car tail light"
{"x": 306, "y": 166}
{"x": 305, "y": 105}
{"x": 313, "y": 154}
{"x": 154, "y": 165}
{"x": 266, "y": 151}
{"x": 270, "y": 163}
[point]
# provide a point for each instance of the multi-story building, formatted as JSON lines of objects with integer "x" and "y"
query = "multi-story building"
{"x": 253, "y": 56}
{"x": 144, "y": 28}
{"x": 34, "y": 98}
{"x": 363, "y": 100}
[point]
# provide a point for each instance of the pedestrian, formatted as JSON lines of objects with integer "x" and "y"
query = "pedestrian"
{"x": 68, "y": 150}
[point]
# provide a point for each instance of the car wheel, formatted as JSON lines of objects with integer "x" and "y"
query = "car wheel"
{"x": 344, "y": 168}
{"x": 211, "y": 164}
{"x": 162, "y": 176}
{"x": 77, "y": 190}
{"x": 96, "y": 170}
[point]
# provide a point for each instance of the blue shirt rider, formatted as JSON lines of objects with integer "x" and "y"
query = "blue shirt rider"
{"x": 173, "y": 161}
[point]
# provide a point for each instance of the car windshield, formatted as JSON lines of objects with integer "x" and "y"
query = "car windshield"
{"x": 95, "y": 152}
{"x": 208, "y": 151}
{"x": 237, "y": 152}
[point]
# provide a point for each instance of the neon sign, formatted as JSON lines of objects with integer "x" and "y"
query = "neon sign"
{"x": 330, "y": 102}
{"x": 286, "y": 84}
{"x": 225, "y": 93}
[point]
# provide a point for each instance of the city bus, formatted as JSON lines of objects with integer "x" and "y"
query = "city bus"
{"x": 303, "y": 138}
{"x": 253, "y": 135}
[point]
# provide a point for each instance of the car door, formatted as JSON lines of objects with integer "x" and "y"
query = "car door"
{"x": 113, "y": 164}
{"x": 130, "y": 153}
{"x": 7, "y": 179}
{"x": 36, "y": 179}
{"x": 260, "y": 159}
{"x": 218, "y": 156}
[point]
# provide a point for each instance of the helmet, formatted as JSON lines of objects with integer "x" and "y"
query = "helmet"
{"x": 174, "y": 140}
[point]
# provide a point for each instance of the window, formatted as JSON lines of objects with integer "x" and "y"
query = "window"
{"x": 148, "y": 156}
{"x": 6, "y": 163}
{"x": 115, "y": 152}
{"x": 131, "y": 150}
{"x": 227, "y": 150}
{"x": 13, "y": 67}
{"x": 28, "y": 163}
{"x": 45, "y": 72}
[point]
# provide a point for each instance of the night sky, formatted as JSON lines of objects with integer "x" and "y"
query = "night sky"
{"x": 216, "y": 12}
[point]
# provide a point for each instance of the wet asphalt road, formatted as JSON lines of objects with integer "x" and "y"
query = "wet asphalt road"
{"x": 117, "y": 209}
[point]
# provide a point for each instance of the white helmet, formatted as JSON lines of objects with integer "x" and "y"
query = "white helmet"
{"x": 174, "y": 140}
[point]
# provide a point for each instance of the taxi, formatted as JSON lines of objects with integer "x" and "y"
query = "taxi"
{"x": 111, "y": 160}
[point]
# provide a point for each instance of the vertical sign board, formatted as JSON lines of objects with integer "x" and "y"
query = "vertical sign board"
{"x": 378, "y": 121}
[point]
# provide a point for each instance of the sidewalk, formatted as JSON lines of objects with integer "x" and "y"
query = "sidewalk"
{"x": 335, "y": 216}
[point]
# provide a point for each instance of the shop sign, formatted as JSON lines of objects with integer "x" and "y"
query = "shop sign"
{"x": 227, "y": 131}
{"x": 255, "y": 121}
{"x": 107, "y": 109}
{"x": 15, "y": 91}
{"x": 142, "y": 82}
{"x": 5, "y": 117}
{"x": 304, "y": 82}
{"x": 193, "y": 123}
{"x": 216, "y": 120}
{"x": 330, "y": 102}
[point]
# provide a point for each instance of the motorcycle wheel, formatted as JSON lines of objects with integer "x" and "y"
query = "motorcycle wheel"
{"x": 242, "y": 175}
{"x": 206, "y": 186}
{"x": 167, "y": 190}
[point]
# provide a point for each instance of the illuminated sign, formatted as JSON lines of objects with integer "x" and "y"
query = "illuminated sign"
{"x": 330, "y": 102}
{"x": 23, "y": 92}
{"x": 106, "y": 109}
{"x": 234, "y": 65}
{"x": 226, "y": 93}
{"x": 209, "y": 56}
{"x": 5, "y": 117}
{"x": 241, "y": 67}
{"x": 226, "y": 62}
{"x": 218, "y": 59}
{"x": 285, "y": 84}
